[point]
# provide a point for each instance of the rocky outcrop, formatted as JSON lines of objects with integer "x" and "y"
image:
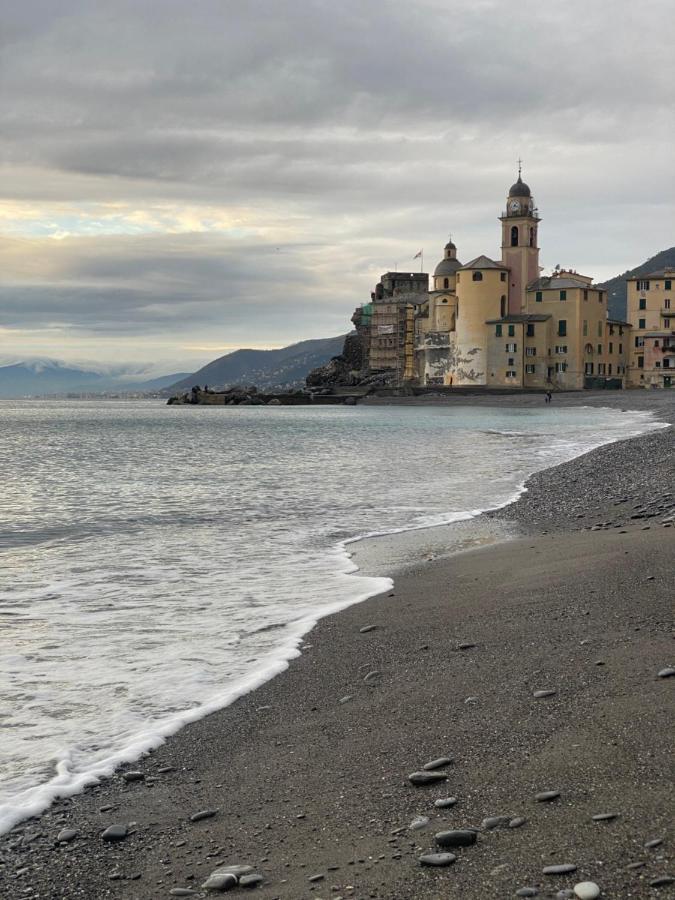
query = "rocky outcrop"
{"x": 347, "y": 369}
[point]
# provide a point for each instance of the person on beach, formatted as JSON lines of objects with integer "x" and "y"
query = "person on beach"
{"x": 548, "y": 397}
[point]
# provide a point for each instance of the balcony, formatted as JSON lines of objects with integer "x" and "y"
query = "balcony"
{"x": 667, "y": 313}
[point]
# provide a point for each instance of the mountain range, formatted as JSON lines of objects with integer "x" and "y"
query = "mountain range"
{"x": 43, "y": 377}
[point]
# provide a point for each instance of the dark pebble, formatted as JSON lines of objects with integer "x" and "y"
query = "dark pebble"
{"x": 662, "y": 881}
{"x": 68, "y": 834}
{"x": 527, "y": 892}
{"x": 203, "y": 814}
{"x": 220, "y": 881}
{"x": 249, "y": 881}
{"x": 492, "y": 822}
{"x": 458, "y": 838}
{"x": 547, "y": 796}
{"x": 182, "y": 892}
{"x": 421, "y": 778}
{"x": 115, "y": 833}
{"x": 517, "y": 822}
{"x": 466, "y": 646}
{"x": 562, "y": 869}
{"x": 437, "y": 763}
{"x": 636, "y": 865}
{"x": 437, "y": 859}
{"x": 133, "y": 776}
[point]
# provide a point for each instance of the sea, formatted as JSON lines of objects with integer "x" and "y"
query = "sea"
{"x": 157, "y": 562}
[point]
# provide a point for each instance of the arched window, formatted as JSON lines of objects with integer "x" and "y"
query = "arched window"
{"x": 446, "y": 283}
{"x": 531, "y": 237}
{"x": 477, "y": 276}
{"x": 502, "y": 308}
{"x": 514, "y": 236}
{"x": 589, "y": 349}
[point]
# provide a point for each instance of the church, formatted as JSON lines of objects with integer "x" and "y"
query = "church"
{"x": 495, "y": 323}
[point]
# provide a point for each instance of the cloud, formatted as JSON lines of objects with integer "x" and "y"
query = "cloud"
{"x": 252, "y": 168}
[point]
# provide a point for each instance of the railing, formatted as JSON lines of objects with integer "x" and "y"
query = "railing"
{"x": 667, "y": 313}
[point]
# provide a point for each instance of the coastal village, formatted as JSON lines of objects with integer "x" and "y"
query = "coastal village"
{"x": 504, "y": 324}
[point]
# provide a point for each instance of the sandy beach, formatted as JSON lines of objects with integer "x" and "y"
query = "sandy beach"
{"x": 306, "y": 779}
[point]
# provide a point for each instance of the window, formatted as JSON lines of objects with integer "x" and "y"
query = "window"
{"x": 530, "y": 351}
{"x": 601, "y": 296}
{"x": 585, "y": 295}
{"x": 502, "y": 276}
{"x": 666, "y": 303}
{"x": 666, "y": 363}
{"x": 477, "y": 276}
{"x": 641, "y": 362}
{"x": 600, "y": 329}
{"x": 667, "y": 285}
{"x": 609, "y": 368}
{"x": 529, "y": 369}
{"x": 539, "y": 296}
{"x": 611, "y": 347}
{"x": 620, "y": 348}
{"x": 641, "y": 323}
{"x": 502, "y": 306}
{"x": 446, "y": 283}
{"x": 511, "y": 348}
{"x": 588, "y": 369}
{"x": 531, "y": 237}
{"x": 643, "y": 285}
{"x": 563, "y": 295}
{"x": 639, "y": 342}
{"x": 642, "y": 304}
{"x": 611, "y": 329}
{"x": 599, "y": 349}
{"x": 530, "y": 329}
{"x": 585, "y": 328}
{"x": 561, "y": 367}
{"x": 666, "y": 323}
{"x": 514, "y": 236}
{"x": 562, "y": 328}
{"x": 561, "y": 349}
{"x": 512, "y": 330}
{"x": 510, "y": 373}
{"x": 658, "y": 364}
{"x": 601, "y": 368}
{"x": 498, "y": 330}
{"x": 511, "y": 361}
{"x": 588, "y": 349}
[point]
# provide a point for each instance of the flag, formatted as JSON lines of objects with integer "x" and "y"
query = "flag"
{"x": 417, "y": 255}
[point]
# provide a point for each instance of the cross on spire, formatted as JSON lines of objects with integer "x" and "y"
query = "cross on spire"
{"x": 520, "y": 166}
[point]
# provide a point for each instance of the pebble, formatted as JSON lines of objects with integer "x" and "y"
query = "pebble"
{"x": 527, "y": 892}
{"x": 561, "y": 869}
{"x": 538, "y": 695}
{"x": 115, "y": 833}
{"x": 459, "y": 838}
{"x": 546, "y": 796}
{"x": 586, "y": 890}
{"x": 445, "y": 802}
{"x": 66, "y": 835}
{"x": 604, "y": 817}
{"x": 437, "y": 859}
{"x": 236, "y": 870}
{"x": 655, "y": 843}
{"x": 345, "y": 699}
{"x": 495, "y": 822}
{"x": 439, "y": 763}
{"x": 668, "y": 672}
{"x": 162, "y": 771}
{"x": 203, "y": 814}
{"x": 318, "y": 877}
{"x": 220, "y": 881}
{"x": 420, "y": 778}
{"x": 636, "y": 865}
{"x": 252, "y": 880}
{"x": 367, "y": 628}
{"x": 517, "y": 822}
{"x": 466, "y": 646}
{"x": 662, "y": 881}
{"x": 418, "y": 823}
{"x": 133, "y": 776}
{"x": 372, "y": 676}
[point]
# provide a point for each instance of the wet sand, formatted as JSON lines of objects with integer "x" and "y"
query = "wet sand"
{"x": 305, "y": 785}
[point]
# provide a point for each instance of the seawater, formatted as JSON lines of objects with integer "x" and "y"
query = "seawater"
{"x": 158, "y": 562}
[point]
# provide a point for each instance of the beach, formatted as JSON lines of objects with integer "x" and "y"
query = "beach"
{"x": 306, "y": 779}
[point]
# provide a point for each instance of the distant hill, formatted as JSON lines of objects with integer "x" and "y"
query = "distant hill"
{"x": 616, "y": 287}
{"x": 45, "y": 377}
{"x": 282, "y": 368}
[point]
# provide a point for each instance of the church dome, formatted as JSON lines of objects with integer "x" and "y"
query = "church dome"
{"x": 450, "y": 246}
{"x": 447, "y": 267}
{"x": 519, "y": 189}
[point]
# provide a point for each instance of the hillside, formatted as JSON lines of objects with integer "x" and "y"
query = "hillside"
{"x": 45, "y": 377}
{"x": 286, "y": 367}
{"x": 616, "y": 287}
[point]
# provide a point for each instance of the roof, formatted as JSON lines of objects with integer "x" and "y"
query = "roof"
{"x": 484, "y": 262}
{"x": 555, "y": 284}
{"x": 669, "y": 271}
{"x": 519, "y": 189}
{"x": 518, "y": 318}
{"x": 447, "y": 267}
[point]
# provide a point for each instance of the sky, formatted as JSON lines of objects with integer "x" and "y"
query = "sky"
{"x": 182, "y": 179}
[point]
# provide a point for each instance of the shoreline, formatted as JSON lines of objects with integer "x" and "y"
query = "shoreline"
{"x": 244, "y": 717}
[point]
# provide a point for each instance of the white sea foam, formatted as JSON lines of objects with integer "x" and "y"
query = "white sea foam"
{"x": 160, "y": 579}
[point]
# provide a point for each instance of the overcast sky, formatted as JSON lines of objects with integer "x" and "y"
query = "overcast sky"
{"x": 181, "y": 179}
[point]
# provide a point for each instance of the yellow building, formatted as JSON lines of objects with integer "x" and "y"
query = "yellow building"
{"x": 651, "y": 310}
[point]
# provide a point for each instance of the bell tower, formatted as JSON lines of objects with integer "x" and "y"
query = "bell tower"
{"x": 520, "y": 251}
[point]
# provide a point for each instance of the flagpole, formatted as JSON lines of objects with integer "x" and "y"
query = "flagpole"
{"x": 421, "y": 261}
